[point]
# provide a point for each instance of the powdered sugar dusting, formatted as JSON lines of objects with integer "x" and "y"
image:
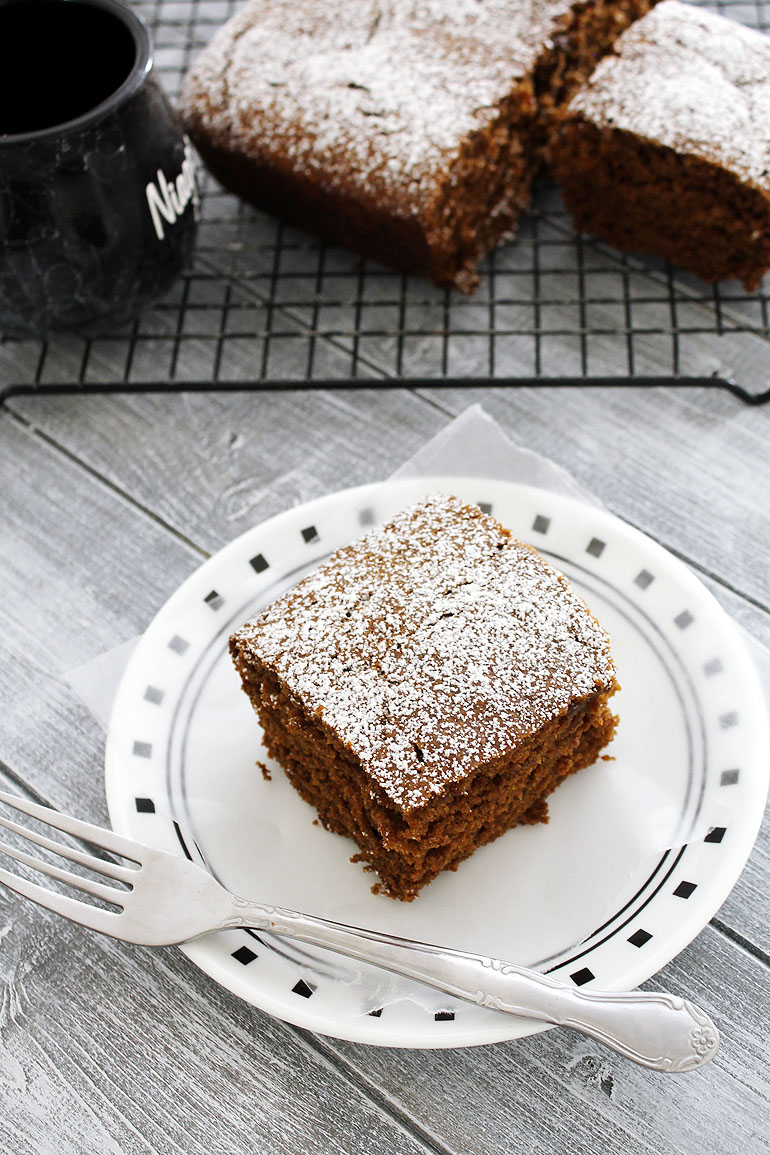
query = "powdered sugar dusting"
{"x": 433, "y": 644}
{"x": 693, "y": 81}
{"x": 380, "y": 93}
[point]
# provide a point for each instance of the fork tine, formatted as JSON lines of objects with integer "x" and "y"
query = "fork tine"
{"x": 99, "y": 865}
{"x": 96, "y": 835}
{"x": 89, "y": 885}
{"x": 93, "y": 917}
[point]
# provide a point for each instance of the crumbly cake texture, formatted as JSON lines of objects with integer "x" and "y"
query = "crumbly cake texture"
{"x": 666, "y": 148}
{"x": 408, "y": 130}
{"x": 428, "y": 687}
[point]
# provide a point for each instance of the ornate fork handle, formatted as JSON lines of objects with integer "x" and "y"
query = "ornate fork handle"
{"x": 660, "y": 1031}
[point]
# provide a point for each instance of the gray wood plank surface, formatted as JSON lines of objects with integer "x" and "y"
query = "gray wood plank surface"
{"x": 109, "y": 502}
{"x": 110, "y": 1048}
{"x": 650, "y": 456}
{"x": 62, "y": 535}
{"x": 210, "y": 465}
{"x": 558, "y": 1093}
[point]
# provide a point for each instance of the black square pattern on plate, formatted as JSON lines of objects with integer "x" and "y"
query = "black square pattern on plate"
{"x": 303, "y": 989}
{"x": 685, "y": 889}
{"x": 583, "y": 976}
{"x": 244, "y": 955}
{"x": 639, "y": 937}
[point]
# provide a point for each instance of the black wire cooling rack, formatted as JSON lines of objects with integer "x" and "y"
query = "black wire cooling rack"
{"x": 265, "y": 306}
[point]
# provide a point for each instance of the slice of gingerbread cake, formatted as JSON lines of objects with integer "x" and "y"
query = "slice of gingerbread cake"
{"x": 666, "y": 148}
{"x": 409, "y": 131}
{"x": 428, "y": 687}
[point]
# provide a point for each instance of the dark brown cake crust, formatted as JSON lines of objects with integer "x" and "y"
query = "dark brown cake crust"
{"x": 666, "y": 150}
{"x": 428, "y": 688}
{"x": 418, "y": 143}
{"x": 408, "y": 851}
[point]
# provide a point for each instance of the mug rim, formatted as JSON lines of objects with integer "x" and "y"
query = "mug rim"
{"x": 140, "y": 70}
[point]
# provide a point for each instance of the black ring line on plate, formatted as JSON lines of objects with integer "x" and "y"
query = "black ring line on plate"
{"x": 296, "y": 953}
{"x": 569, "y": 562}
{"x": 258, "y": 564}
{"x": 286, "y": 577}
{"x": 156, "y": 696}
{"x": 584, "y": 976}
{"x": 613, "y": 933}
{"x": 239, "y": 615}
{"x": 686, "y": 678}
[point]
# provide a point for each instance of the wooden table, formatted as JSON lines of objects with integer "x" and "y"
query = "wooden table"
{"x": 109, "y": 501}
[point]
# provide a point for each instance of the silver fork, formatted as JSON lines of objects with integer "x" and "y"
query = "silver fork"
{"x": 170, "y": 900}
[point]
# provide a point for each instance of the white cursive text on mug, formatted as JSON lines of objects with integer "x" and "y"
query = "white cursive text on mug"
{"x": 167, "y": 200}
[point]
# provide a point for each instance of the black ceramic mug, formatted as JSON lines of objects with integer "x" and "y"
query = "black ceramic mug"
{"x": 98, "y": 200}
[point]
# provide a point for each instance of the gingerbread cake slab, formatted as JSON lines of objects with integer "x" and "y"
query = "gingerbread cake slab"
{"x": 666, "y": 148}
{"x": 409, "y": 131}
{"x": 428, "y": 687}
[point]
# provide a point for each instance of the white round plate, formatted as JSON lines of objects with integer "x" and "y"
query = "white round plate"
{"x": 640, "y": 850}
